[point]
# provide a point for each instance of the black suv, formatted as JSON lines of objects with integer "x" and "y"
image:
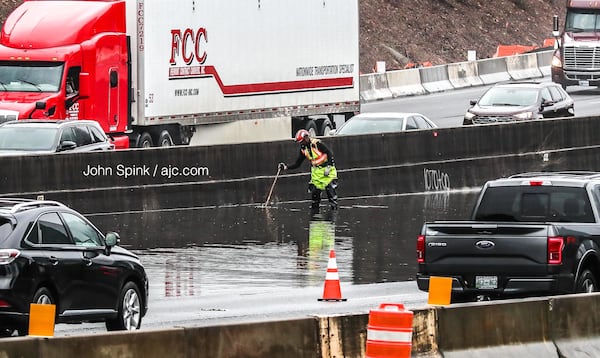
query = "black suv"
{"x": 51, "y": 136}
{"x": 520, "y": 101}
{"x": 50, "y": 253}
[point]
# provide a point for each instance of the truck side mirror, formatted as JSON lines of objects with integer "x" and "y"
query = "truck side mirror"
{"x": 555, "y": 32}
{"x": 84, "y": 85}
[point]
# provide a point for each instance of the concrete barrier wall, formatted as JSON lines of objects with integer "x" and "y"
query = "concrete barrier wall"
{"x": 493, "y": 70}
{"x": 405, "y": 83}
{"x": 575, "y": 327}
{"x": 374, "y": 87}
{"x": 512, "y": 329}
{"x": 464, "y": 74}
{"x": 390, "y": 163}
{"x": 561, "y": 326}
{"x": 455, "y": 75}
{"x": 435, "y": 79}
{"x": 522, "y": 67}
{"x": 544, "y": 60}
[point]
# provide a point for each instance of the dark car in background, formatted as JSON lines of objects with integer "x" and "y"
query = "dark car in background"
{"x": 51, "y": 254}
{"x": 384, "y": 122}
{"x": 520, "y": 101}
{"x": 52, "y": 136}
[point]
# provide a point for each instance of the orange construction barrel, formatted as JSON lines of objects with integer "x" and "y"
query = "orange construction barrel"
{"x": 389, "y": 333}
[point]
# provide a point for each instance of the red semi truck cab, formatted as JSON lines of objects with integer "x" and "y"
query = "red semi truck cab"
{"x": 161, "y": 73}
{"x": 72, "y": 66}
{"x": 576, "y": 60}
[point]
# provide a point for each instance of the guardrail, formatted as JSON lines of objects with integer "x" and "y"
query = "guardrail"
{"x": 418, "y": 81}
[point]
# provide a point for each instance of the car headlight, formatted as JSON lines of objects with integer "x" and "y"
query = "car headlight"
{"x": 469, "y": 115}
{"x": 524, "y": 115}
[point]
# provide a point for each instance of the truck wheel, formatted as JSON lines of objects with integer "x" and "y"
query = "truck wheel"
{"x": 145, "y": 140}
{"x": 164, "y": 139}
{"x": 325, "y": 127}
{"x": 311, "y": 127}
{"x": 586, "y": 283}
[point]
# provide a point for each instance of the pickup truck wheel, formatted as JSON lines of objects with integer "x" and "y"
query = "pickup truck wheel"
{"x": 586, "y": 283}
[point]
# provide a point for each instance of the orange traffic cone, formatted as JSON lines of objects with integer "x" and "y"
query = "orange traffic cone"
{"x": 332, "y": 290}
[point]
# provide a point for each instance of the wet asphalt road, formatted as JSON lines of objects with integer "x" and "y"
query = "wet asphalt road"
{"x": 245, "y": 263}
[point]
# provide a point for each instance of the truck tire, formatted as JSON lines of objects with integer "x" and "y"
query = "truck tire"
{"x": 165, "y": 139}
{"x": 586, "y": 283}
{"x": 325, "y": 127}
{"x": 311, "y": 127}
{"x": 145, "y": 140}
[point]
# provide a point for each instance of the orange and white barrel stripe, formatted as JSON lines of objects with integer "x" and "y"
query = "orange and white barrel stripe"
{"x": 389, "y": 333}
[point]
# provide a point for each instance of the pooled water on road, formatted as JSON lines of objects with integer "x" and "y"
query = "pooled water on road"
{"x": 203, "y": 251}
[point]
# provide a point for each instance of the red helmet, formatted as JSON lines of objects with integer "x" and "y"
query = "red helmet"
{"x": 301, "y": 134}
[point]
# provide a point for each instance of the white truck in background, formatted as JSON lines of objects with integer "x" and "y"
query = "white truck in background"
{"x": 158, "y": 73}
{"x": 576, "y": 60}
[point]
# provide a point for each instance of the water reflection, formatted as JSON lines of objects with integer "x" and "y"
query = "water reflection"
{"x": 198, "y": 251}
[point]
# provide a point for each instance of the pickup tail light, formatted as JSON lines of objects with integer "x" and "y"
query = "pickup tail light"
{"x": 555, "y": 248}
{"x": 8, "y": 255}
{"x": 421, "y": 248}
{"x": 4, "y": 304}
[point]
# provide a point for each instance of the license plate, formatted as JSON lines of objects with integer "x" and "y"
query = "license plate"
{"x": 486, "y": 282}
{"x": 584, "y": 83}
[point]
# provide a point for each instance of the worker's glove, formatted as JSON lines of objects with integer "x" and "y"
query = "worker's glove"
{"x": 327, "y": 170}
{"x": 281, "y": 166}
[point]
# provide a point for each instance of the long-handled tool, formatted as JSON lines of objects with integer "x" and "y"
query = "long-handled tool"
{"x": 272, "y": 186}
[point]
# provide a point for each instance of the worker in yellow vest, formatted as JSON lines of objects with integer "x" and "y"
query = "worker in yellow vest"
{"x": 323, "y": 175}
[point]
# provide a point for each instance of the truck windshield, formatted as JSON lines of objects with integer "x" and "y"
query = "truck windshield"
{"x": 582, "y": 21}
{"x": 535, "y": 203}
{"x": 18, "y": 76}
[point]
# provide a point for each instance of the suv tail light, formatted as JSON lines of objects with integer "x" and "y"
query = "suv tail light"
{"x": 555, "y": 247}
{"x": 8, "y": 255}
{"x": 421, "y": 248}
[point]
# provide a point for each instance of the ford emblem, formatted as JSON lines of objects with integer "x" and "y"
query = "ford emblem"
{"x": 485, "y": 244}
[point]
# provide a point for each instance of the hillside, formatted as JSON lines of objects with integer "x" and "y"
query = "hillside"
{"x": 443, "y": 31}
{"x": 439, "y": 31}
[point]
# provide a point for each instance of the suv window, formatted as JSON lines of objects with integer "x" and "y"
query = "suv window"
{"x": 49, "y": 230}
{"x": 411, "y": 124}
{"x": 82, "y": 136}
{"x": 546, "y": 96}
{"x": 5, "y": 228}
{"x": 97, "y": 137}
{"x": 83, "y": 233}
{"x": 556, "y": 94}
{"x": 67, "y": 134}
{"x": 421, "y": 122}
{"x": 535, "y": 203}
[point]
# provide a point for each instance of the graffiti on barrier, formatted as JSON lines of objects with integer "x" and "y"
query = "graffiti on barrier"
{"x": 436, "y": 180}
